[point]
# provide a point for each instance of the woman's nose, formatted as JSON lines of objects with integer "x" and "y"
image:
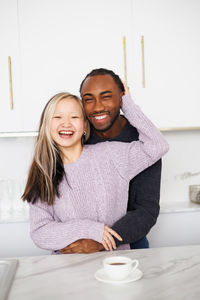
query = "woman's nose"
{"x": 66, "y": 122}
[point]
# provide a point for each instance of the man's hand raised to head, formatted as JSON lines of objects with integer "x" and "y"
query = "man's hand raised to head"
{"x": 83, "y": 246}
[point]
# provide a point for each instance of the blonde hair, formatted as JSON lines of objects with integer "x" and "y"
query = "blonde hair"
{"x": 47, "y": 171}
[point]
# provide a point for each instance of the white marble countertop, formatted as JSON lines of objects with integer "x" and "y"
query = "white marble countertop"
{"x": 168, "y": 273}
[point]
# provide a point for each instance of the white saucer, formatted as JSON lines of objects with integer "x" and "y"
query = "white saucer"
{"x": 133, "y": 276}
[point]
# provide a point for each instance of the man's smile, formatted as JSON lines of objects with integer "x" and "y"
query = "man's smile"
{"x": 100, "y": 116}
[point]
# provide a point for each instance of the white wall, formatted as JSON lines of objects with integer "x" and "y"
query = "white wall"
{"x": 175, "y": 229}
{"x": 15, "y": 156}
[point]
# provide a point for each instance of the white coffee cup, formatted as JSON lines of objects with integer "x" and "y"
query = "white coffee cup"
{"x": 119, "y": 267}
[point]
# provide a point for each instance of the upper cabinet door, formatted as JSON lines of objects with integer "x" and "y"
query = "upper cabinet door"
{"x": 62, "y": 41}
{"x": 10, "y": 119}
{"x": 171, "y": 31}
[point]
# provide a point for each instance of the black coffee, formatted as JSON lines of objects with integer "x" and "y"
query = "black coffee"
{"x": 117, "y": 263}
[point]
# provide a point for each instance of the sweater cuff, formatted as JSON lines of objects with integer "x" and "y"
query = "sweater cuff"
{"x": 94, "y": 231}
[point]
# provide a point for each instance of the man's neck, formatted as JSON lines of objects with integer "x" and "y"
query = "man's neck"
{"x": 114, "y": 130}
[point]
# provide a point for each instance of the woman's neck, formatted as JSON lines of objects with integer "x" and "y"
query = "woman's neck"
{"x": 71, "y": 154}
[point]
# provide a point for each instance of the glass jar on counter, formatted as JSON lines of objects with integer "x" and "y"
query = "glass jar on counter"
{"x": 194, "y": 193}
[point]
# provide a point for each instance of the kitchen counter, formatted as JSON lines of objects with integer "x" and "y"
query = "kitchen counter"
{"x": 168, "y": 273}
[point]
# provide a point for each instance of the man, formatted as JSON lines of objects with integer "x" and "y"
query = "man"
{"x": 101, "y": 92}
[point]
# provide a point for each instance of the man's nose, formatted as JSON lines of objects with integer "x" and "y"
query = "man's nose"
{"x": 99, "y": 106}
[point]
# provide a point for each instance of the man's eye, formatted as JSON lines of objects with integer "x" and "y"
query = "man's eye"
{"x": 88, "y": 100}
{"x": 107, "y": 97}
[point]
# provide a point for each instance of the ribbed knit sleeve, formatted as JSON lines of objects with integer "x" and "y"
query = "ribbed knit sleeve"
{"x": 53, "y": 235}
{"x": 132, "y": 158}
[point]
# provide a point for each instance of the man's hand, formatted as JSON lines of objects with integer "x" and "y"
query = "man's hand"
{"x": 83, "y": 246}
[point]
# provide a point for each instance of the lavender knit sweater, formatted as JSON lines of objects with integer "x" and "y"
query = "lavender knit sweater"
{"x": 97, "y": 190}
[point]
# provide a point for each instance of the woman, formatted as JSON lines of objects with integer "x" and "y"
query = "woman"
{"x": 67, "y": 203}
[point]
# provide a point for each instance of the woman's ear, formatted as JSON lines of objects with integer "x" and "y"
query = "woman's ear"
{"x": 86, "y": 125}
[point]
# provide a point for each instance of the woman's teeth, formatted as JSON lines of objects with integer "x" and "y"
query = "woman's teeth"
{"x": 66, "y": 132}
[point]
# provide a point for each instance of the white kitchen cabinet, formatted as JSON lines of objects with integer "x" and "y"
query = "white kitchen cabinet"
{"x": 16, "y": 240}
{"x": 53, "y": 44}
{"x": 10, "y": 119}
{"x": 61, "y": 41}
{"x": 175, "y": 229}
{"x": 171, "y": 31}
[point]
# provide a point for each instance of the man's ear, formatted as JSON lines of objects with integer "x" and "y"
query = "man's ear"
{"x": 121, "y": 94}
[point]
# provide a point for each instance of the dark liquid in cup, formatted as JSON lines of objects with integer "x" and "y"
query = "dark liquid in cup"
{"x": 117, "y": 264}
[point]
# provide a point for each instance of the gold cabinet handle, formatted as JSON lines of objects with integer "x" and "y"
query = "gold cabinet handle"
{"x": 143, "y": 63}
{"x": 10, "y": 82}
{"x": 125, "y": 68}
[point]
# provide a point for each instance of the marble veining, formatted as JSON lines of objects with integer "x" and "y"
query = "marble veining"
{"x": 168, "y": 273}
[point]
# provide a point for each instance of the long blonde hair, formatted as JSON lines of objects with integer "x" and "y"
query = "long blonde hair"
{"x": 47, "y": 171}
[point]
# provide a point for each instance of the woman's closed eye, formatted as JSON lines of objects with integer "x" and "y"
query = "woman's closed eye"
{"x": 57, "y": 117}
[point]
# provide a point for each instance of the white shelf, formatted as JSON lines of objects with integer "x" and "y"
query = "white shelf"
{"x": 18, "y": 134}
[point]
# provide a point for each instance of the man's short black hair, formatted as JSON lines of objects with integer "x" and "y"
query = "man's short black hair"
{"x": 102, "y": 71}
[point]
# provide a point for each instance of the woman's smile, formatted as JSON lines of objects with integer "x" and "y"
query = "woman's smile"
{"x": 66, "y": 133}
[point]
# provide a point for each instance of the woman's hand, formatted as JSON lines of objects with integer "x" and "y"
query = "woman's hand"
{"x": 108, "y": 240}
{"x": 126, "y": 88}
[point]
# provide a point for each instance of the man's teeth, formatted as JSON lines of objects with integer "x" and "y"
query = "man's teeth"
{"x": 100, "y": 117}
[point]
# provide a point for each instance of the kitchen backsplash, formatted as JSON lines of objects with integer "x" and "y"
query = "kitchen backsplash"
{"x": 181, "y": 168}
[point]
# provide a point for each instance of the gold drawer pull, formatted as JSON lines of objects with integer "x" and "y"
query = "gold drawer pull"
{"x": 10, "y": 82}
{"x": 143, "y": 64}
{"x": 125, "y": 68}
